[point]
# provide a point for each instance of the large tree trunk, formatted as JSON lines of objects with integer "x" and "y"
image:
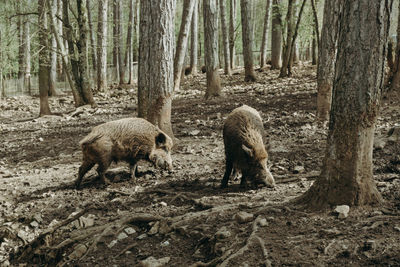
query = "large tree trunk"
{"x": 347, "y": 176}
{"x": 247, "y": 40}
{"x": 92, "y": 42}
{"x": 288, "y": 47}
{"x": 225, "y": 38}
{"x": 276, "y": 37}
{"x": 210, "y": 14}
{"x": 194, "y": 38}
{"x": 44, "y": 61}
{"x": 327, "y": 57}
{"x": 232, "y": 31}
{"x": 395, "y": 85}
{"x": 53, "y": 58}
{"x": 181, "y": 45}
{"x": 264, "y": 41}
{"x": 102, "y": 46}
{"x": 156, "y": 44}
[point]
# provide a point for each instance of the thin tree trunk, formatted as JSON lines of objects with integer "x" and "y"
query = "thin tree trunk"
{"x": 288, "y": 47}
{"x": 102, "y": 46}
{"x": 232, "y": 31}
{"x": 276, "y": 37}
{"x": 210, "y": 17}
{"x": 264, "y": 41}
{"x": 136, "y": 31}
{"x": 347, "y": 174}
{"x": 128, "y": 49}
{"x": 296, "y": 30}
{"x": 395, "y": 85}
{"x": 53, "y": 58}
{"x": 247, "y": 40}
{"x": 92, "y": 39}
{"x": 27, "y": 58}
{"x": 43, "y": 59}
{"x": 181, "y": 46}
{"x": 119, "y": 41}
{"x": 156, "y": 44}
{"x": 314, "y": 58}
{"x": 225, "y": 38}
{"x": 327, "y": 57}
{"x": 316, "y": 26}
{"x": 194, "y": 39}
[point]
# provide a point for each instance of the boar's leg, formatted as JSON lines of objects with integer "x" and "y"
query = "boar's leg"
{"x": 228, "y": 171}
{"x": 243, "y": 181}
{"x": 133, "y": 170}
{"x": 83, "y": 169}
{"x": 101, "y": 170}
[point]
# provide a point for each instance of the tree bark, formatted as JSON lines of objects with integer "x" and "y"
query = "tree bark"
{"x": 136, "y": 31}
{"x": 210, "y": 14}
{"x": 264, "y": 41}
{"x": 395, "y": 85}
{"x": 181, "y": 46}
{"x": 316, "y": 26}
{"x": 293, "y": 40}
{"x": 276, "y": 37}
{"x": 247, "y": 40}
{"x": 232, "y": 31}
{"x": 225, "y": 38}
{"x": 121, "y": 66}
{"x": 194, "y": 39}
{"x": 92, "y": 42}
{"x": 314, "y": 58}
{"x": 128, "y": 50}
{"x": 53, "y": 58}
{"x": 347, "y": 174}
{"x": 288, "y": 47}
{"x": 156, "y": 44}
{"x": 44, "y": 61}
{"x": 327, "y": 57}
{"x": 102, "y": 46}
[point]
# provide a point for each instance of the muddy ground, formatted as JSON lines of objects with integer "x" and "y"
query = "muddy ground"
{"x": 183, "y": 218}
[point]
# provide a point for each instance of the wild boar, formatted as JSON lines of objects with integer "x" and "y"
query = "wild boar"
{"x": 129, "y": 140}
{"x": 244, "y": 148}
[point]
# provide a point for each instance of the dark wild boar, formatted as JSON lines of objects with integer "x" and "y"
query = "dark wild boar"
{"x": 244, "y": 148}
{"x": 130, "y": 140}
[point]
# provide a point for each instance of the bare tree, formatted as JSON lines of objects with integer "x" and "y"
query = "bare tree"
{"x": 276, "y": 36}
{"x": 347, "y": 176}
{"x": 102, "y": 46}
{"x": 395, "y": 85}
{"x": 264, "y": 40}
{"x": 194, "y": 38}
{"x": 225, "y": 38}
{"x": 232, "y": 31}
{"x": 210, "y": 11}
{"x": 327, "y": 57}
{"x": 128, "y": 51}
{"x": 156, "y": 46}
{"x": 247, "y": 41}
{"x": 288, "y": 46}
{"x": 92, "y": 42}
{"x": 181, "y": 46}
{"x": 53, "y": 58}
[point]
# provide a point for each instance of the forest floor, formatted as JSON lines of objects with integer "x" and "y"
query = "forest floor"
{"x": 183, "y": 218}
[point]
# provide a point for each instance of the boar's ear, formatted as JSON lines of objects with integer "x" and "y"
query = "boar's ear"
{"x": 248, "y": 151}
{"x": 160, "y": 139}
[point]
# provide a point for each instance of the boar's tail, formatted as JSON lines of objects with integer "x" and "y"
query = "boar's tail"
{"x": 89, "y": 139}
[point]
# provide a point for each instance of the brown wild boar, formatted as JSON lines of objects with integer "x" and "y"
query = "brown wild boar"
{"x": 244, "y": 148}
{"x": 130, "y": 140}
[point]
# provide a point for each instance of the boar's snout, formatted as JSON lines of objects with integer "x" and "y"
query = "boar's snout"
{"x": 265, "y": 178}
{"x": 162, "y": 159}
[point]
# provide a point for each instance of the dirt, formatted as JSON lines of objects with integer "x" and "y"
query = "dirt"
{"x": 183, "y": 214}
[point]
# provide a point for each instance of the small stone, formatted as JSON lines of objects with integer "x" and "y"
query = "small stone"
{"x": 342, "y": 211}
{"x": 34, "y": 224}
{"x": 243, "y": 217}
{"x": 165, "y": 243}
{"x": 122, "y": 236}
{"x": 298, "y": 169}
{"x": 129, "y": 230}
{"x": 88, "y": 221}
{"x": 162, "y": 203}
{"x": 154, "y": 229}
{"x": 222, "y": 233}
{"x": 78, "y": 252}
{"x": 153, "y": 262}
{"x": 142, "y": 236}
{"x": 112, "y": 243}
{"x": 194, "y": 132}
{"x": 262, "y": 222}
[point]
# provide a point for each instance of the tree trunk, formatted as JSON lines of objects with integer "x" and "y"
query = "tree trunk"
{"x": 232, "y": 31}
{"x": 156, "y": 44}
{"x": 53, "y": 58}
{"x": 136, "y": 31}
{"x": 128, "y": 50}
{"x": 395, "y": 85}
{"x": 102, "y": 46}
{"x": 181, "y": 46}
{"x": 21, "y": 42}
{"x": 194, "y": 39}
{"x": 225, "y": 38}
{"x": 347, "y": 174}
{"x": 27, "y": 58}
{"x": 264, "y": 41}
{"x": 247, "y": 40}
{"x": 210, "y": 15}
{"x": 92, "y": 42}
{"x": 293, "y": 40}
{"x": 327, "y": 57}
{"x": 288, "y": 47}
{"x": 316, "y": 26}
{"x": 119, "y": 41}
{"x": 276, "y": 37}
{"x": 44, "y": 61}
